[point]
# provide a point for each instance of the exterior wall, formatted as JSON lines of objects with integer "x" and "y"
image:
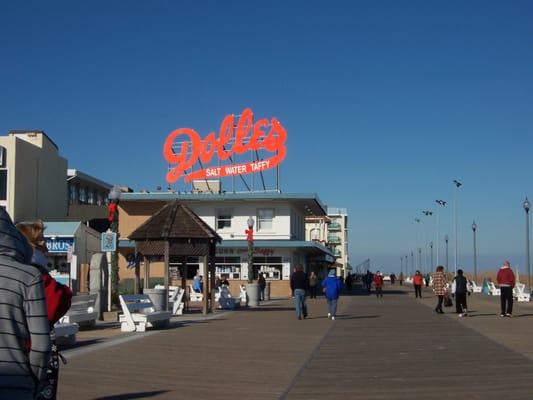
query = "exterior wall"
{"x": 36, "y": 178}
{"x": 340, "y": 216}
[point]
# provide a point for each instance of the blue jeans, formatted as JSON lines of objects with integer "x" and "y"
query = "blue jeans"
{"x": 299, "y": 301}
{"x": 332, "y": 307}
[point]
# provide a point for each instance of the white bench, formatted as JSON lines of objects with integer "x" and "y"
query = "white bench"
{"x": 175, "y": 298}
{"x": 139, "y": 313}
{"x": 474, "y": 288}
{"x": 493, "y": 290}
{"x": 194, "y": 296}
{"x": 225, "y": 301}
{"x": 82, "y": 311}
{"x": 520, "y": 294}
{"x": 66, "y": 332}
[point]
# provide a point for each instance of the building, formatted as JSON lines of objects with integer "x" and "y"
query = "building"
{"x": 33, "y": 177}
{"x": 279, "y": 234}
{"x": 87, "y": 196}
{"x": 337, "y": 238}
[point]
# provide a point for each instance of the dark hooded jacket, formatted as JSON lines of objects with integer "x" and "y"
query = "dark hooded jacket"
{"x": 24, "y": 329}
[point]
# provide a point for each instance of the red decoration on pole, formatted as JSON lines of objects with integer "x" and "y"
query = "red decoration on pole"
{"x": 112, "y": 208}
{"x": 249, "y": 235}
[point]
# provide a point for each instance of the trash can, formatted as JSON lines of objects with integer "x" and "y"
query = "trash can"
{"x": 158, "y": 297}
{"x": 267, "y": 291}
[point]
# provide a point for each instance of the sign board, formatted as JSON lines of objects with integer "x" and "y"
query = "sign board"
{"x": 108, "y": 241}
{"x": 184, "y": 148}
{"x": 59, "y": 245}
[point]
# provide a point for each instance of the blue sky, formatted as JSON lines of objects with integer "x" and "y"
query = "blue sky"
{"x": 385, "y": 102}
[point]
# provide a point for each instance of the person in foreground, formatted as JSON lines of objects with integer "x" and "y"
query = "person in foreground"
{"x": 299, "y": 284}
{"x": 24, "y": 329}
{"x": 439, "y": 288}
{"x": 332, "y": 287}
{"x": 58, "y": 300}
{"x": 506, "y": 281}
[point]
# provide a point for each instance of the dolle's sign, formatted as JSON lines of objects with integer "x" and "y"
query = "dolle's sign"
{"x": 247, "y": 136}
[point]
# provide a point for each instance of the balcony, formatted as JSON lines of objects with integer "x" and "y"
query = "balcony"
{"x": 337, "y": 253}
{"x": 334, "y": 239}
{"x": 334, "y": 227}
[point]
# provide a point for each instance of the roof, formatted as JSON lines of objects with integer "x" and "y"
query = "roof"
{"x": 74, "y": 173}
{"x": 38, "y": 131}
{"x": 174, "y": 221}
{"x": 61, "y": 228}
{"x": 309, "y": 200}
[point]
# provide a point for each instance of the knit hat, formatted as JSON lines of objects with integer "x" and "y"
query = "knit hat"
{"x": 332, "y": 272}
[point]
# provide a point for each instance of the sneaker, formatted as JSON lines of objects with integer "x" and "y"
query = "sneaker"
{"x": 333, "y": 318}
{"x": 509, "y": 315}
{"x": 465, "y": 314}
{"x": 329, "y": 315}
{"x": 502, "y": 315}
{"x": 460, "y": 315}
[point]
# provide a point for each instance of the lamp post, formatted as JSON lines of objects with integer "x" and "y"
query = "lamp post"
{"x": 401, "y": 265}
{"x": 474, "y": 229}
{"x": 406, "y": 266}
{"x": 457, "y": 186}
{"x": 431, "y": 247}
{"x": 446, "y": 241}
{"x": 113, "y": 277}
{"x": 441, "y": 203}
{"x": 252, "y": 289}
{"x": 527, "y": 206}
{"x": 412, "y": 263}
{"x": 419, "y": 259}
{"x": 427, "y": 213}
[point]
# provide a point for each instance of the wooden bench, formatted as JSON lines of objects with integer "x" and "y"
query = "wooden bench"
{"x": 139, "y": 313}
{"x": 82, "y": 311}
{"x": 66, "y": 332}
{"x": 175, "y": 298}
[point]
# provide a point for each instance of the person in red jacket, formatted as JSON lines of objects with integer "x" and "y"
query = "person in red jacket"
{"x": 378, "y": 284}
{"x": 418, "y": 281}
{"x": 58, "y": 300}
{"x": 506, "y": 281}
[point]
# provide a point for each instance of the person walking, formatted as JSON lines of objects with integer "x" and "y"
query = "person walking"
{"x": 58, "y": 300}
{"x": 378, "y": 283}
{"x": 506, "y": 281}
{"x": 427, "y": 279}
{"x": 24, "y": 329}
{"x": 262, "y": 285}
{"x": 461, "y": 290}
{"x": 332, "y": 287}
{"x": 299, "y": 284}
{"x": 401, "y": 278}
{"x": 418, "y": 280}
{"x": 313, "y": 285}
{"x": 439, "y": 287}
{"x": 368, "y": 281}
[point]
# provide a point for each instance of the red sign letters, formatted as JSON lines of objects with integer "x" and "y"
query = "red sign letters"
{"x": 247, "y": 136}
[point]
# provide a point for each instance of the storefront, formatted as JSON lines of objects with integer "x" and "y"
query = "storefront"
{"x": 70, "y": 248}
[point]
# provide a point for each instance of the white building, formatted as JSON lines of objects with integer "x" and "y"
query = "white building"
{"x": 279, "y": 232}
{"x": 337, "y": 238}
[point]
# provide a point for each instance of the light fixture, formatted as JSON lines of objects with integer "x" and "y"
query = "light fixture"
{"x": 250, "y": 223}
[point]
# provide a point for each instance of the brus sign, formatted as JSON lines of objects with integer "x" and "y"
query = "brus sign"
{"x": 246, "y": 136}
{"x": 59, "y": 245}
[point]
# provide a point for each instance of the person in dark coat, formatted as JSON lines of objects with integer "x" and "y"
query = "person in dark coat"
{"x": 299, "y": 286}
{"x": 461, "y": 290}
{"x": 262, "y": 285}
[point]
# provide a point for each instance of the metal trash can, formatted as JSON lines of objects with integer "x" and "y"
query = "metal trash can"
{"x": 267, "y": 291}
{"x": 158, "y": 297}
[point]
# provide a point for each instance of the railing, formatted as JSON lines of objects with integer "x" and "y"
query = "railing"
{"x": 333, "y": 239}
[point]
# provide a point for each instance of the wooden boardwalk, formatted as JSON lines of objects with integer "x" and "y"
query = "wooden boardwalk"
{"x": 391, "y": 348}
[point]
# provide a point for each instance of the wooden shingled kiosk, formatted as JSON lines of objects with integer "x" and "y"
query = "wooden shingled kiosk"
{"x": 176, "y": 231}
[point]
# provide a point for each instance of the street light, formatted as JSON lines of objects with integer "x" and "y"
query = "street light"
{"x": 427, "y": 213}
{"x": 527, "y": 206}
{"x": 457, "y": 186}
{"x": 114, "y": 199}
{"x": 474, "y": 229}
{"x": 431, "y": 247}
{"x": 250, "y": 238}
{"x": 441, "y": 203}
{"x": 412, "y": 263}
{"x": 446, "y": 241}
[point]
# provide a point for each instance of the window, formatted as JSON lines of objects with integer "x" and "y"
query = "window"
{"x": 90, "y": 196}
{"x": 265, "y": 219}
{"x": 99, "y": 199}
{"x": 72, "y": 194}
{"x": 223, "y": 219}
{"x": 3, "y": 184}
{"x": 82, "y": 195}
{"x": 229, "y": 266}
{"x": 270, "y": 267}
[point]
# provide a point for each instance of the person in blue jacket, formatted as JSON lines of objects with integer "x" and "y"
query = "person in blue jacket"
{"x": 332, "y": 287}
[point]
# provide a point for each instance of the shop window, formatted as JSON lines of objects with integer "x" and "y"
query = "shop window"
{"x": 223, "y": 219}
{"x": 229, "y": 266}
{"x": 265, "y": 219}
{"x": 3, "y": 184}
{"x": 177, "y": 269}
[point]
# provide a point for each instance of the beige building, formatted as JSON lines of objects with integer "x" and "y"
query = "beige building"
{"x": 32, "y": 177}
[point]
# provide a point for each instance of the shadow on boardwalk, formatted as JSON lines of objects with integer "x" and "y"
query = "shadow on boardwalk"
{"x": 138, "y": 395}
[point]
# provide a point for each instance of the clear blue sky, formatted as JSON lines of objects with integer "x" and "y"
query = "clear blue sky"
{"x": 385, "y": 102}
